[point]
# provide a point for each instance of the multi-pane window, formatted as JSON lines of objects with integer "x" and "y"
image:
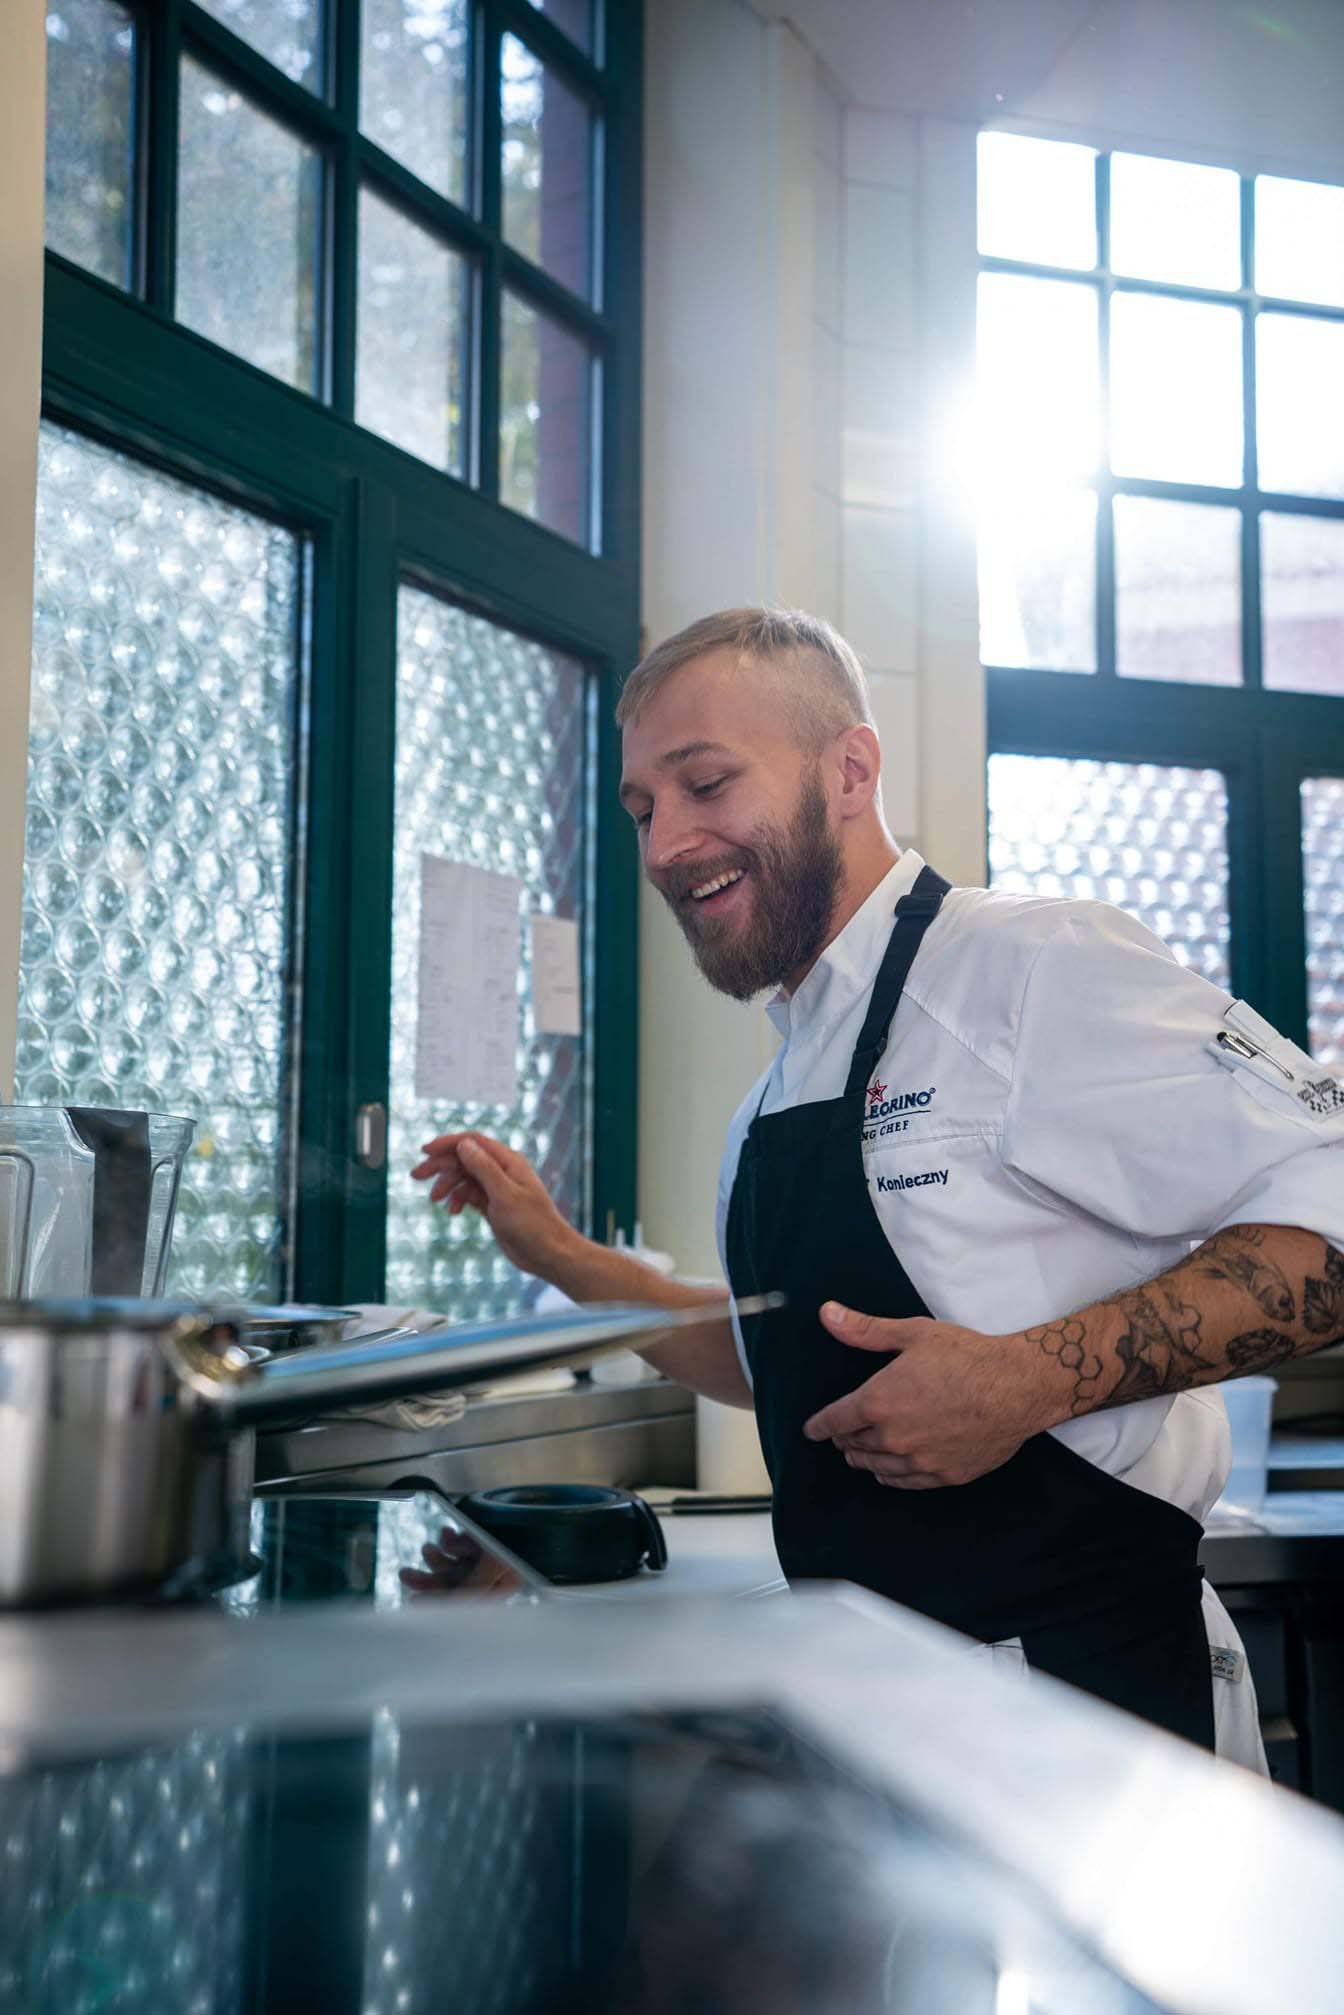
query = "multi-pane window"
{"x": 1160, "y": 448}
{"x": 1160, "y": 356}
{"x": 336, "y": 581}
{"x": 407, "y": 227}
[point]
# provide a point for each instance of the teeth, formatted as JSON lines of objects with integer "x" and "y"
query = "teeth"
{"x": 719, "y": 882}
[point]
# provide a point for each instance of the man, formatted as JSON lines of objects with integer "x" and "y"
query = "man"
{"x": 1031, "y": 1189}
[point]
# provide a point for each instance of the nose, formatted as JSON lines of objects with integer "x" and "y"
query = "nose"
{"x": 669, "y": 836}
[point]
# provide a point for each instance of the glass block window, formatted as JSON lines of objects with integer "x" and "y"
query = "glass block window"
{"x": 1150, "y": 838}
{"x": 493, "y": 771}
{"x": 156, "y": 967}
{"x": 1323, "y": 890}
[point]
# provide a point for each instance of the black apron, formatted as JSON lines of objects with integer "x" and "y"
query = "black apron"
{"x": 1099, "y": 1581}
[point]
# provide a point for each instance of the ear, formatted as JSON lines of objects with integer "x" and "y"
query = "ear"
{"x": 859, "y": 761}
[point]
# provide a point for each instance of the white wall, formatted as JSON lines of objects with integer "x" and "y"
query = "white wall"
{"x": 804, "y": 321}
{"x": 22, "y": 102}
{"x": 742, "y": 476}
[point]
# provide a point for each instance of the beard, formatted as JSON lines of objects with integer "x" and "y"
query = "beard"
{"x": 794, "y": 872}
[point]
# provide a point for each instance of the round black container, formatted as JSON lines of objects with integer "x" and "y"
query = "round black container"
{"x": 572, "y": 1532}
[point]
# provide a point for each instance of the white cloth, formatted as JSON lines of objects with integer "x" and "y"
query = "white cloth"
{"x": 1054, "y": 1120}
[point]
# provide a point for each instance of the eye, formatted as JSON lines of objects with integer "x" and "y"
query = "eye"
{"x": 708, "y": 790}
{"x": 642, "y": 819}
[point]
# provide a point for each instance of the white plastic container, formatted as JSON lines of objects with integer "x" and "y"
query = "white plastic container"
{"x": 1250, "y": 1405}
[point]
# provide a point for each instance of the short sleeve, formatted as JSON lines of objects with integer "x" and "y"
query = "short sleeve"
{"x": 1124, "y": 1101}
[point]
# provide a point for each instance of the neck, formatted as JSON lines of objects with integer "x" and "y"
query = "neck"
{"x": 871, "y": 864}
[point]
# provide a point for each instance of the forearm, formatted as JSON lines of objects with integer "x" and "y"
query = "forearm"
{"x": 703, "y": 1358}
{"x": 1249, "y": 1298}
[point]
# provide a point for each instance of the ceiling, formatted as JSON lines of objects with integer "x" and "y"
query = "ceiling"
{"x": 1246, "y": 77}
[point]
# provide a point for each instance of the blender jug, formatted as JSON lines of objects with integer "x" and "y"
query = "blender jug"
{"x": 87, "y": 1199}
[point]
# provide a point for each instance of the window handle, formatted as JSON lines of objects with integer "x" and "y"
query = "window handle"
{"x": 371, "y": 1135}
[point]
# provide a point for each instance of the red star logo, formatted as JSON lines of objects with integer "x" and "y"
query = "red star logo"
{"x": 876, "y": 1091}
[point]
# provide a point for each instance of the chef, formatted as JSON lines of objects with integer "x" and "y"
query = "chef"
{"x": 1031, "y": 1187}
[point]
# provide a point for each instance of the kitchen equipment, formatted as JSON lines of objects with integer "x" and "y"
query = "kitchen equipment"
{"x": 1250, "y": 1405}
{"x": 87, "y": 1199}
{"x": 125, "y": 1451}
{"x": 572, "y": 1531}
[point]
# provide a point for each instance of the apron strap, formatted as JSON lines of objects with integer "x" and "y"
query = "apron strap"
{"x": 914, "y": 913}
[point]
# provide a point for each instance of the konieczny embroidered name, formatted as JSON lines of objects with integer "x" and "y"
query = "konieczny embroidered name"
{"x": 889, "y": 1182}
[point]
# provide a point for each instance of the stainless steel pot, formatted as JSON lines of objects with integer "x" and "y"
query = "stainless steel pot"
{"x": 125, "y": 1427}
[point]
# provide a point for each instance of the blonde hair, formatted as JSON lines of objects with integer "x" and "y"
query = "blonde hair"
{"x": 821, "y": 682}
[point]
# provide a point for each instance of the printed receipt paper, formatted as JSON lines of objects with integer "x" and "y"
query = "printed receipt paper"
{"x": 466, "y": 1046}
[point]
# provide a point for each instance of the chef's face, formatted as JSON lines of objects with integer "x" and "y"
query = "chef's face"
{"x": 735, "y": 827}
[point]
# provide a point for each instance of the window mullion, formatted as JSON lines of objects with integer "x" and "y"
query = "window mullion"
{"x": 1251, "y": 640}
{"x": 1105, "y": 547}
{"x": 488, "y": 343}
{"x": 156, "y": 126}
{"x": 342, "y": 236}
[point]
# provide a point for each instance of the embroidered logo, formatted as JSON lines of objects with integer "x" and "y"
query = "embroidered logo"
{"x": 1322, "y": 1095}
{"x": 930, "y": 1175}
{"x": 881, "y": 1107}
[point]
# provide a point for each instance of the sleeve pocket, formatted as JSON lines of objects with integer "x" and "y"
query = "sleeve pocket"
{"x": 1278, "y": 1075}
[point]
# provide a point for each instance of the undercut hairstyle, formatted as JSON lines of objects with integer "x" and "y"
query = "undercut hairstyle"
{"x": 819, "y": 679}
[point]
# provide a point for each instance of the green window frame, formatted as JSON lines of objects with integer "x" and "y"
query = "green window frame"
{"x": 1264, "y": 741}
{"x": 119, "y": 367}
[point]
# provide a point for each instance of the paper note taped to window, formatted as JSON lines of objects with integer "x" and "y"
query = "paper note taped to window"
{"x": 556, "y": 1005}
{"x": 466, "y": 1041}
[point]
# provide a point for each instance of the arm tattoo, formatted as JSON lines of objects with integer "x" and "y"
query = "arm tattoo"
{"x": 1161, "y": 1347}
{"x": 1323, "y": 1299}
{"x": 1259, "y": 1348}
{"x": 1067, "y": 1341}
{"x": 1233, "y": 1255}
{"x": 1176, "y": 1331}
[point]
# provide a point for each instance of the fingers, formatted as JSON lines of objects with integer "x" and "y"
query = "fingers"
{"x": 842, "y": 1417}
{"x": 897, "y": 1472}
{"x": 868, "y": 1332}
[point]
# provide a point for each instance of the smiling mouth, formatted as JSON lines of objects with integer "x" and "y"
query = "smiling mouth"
{"x": 708, "y": 890}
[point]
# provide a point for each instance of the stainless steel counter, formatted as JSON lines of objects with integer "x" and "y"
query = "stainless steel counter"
{"x": 1209, "y": 1891}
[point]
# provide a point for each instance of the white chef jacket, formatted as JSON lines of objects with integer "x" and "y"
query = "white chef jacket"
{"x": 1053, "y": 1121}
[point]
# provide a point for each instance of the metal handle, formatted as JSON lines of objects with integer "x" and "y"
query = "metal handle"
{"x": 371, "y": 1135}
{"x": 299, "y": 1383}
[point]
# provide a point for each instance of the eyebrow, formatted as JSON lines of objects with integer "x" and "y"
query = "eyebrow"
{"x": 672, "y": 758}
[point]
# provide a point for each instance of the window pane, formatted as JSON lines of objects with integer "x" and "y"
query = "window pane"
{"x": 410, "y": 372}
{"x": 90, "y": 59}
{"x": 1178, "y": 591}
{"x": 413, "y": 86}
{"x": 545, "y": 422}
{"x": 249, "y": 196}
{"x": 1302, "y": 602}
{"x": 1175, "y": 390}
{"x": 287, "y": 33}
{"x": 1150, "y": 839}
{"x": 1171, "y": 220}
{"x": 1299, "y": 391}
{"x": 1299, "y": 240}
{"x": 1037, "y": 398}
{"x": 155, "y": 965}
{"x": 1037, "y": 200}
{"x": 546, "y": 167}
{"x": 572, "y": 17}
{"x": 506, "y": 721}
{"x": 1323, "y": 893}
{"x": 1037, "y": 565}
